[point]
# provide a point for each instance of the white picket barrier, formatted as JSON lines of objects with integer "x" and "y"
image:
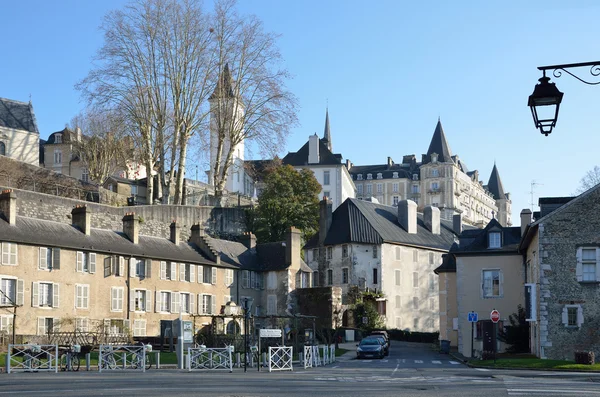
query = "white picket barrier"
{"x": 316, "y": 357}
{"x": 32, "y": 358}
{"x": 280, "y": 358}
{"x": 308, "y": 357}
{"x": 119, "y": 358}
{"x": 209, "y": 358}
{"x": 332, "y": 354}
{"x": 325, "y": 355}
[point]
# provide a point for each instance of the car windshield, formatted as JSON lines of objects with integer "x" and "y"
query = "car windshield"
{"x": 369, "y": 342}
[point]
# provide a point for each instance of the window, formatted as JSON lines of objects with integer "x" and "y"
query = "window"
{"x": 325, "y": 178}
{"x": 57, "y": 157}
{"x": 329, "y": 252}
{"x": 359, "y": 177}
{"x": 494, "y": 240}
{"x": 369, "y": 189}
{"x": 134, "y": 190}
{"x": 168, "y": 271}
{"x": 329, "y": 277}
{"x": 141, "y": 267}
{"x": 187, "y": 272}
{"x": 415, "y": 177}
{"x": 210, "y": 275}
{"x": 164, "y": 301}
{"x": 415, "y": 279}
{"x": 116, "y": 299}
{"x": 415, "y": 303}
{"x": 326, "y": 194}
{"x": 58, "y": 138}
{"x": 85, "y": 175}
{"x": 431, "y": 283}
{"x": 344, "y": 250}
{"x": 271, "y": 280}
{"x": 395, "y": 185}
{"x": 49, "y": 258}
{"x": 209, "y": 304}
{"x": 271, "y": 304}
{"x": 185, "y": 300}
{"x": 588, "y": 265}
{"x": 359, "y": 190}
{"x": 304, "y": 280}
{"x": 435, "y": 186}
{"x": 139, "y": 328}
{"x": 398, "y": 322}
{"x": 86, "y": 262}
{"x": 44, "y": 294}
{"x": 431, "y": 258}
{"x": 415, "y": 189}
{"x": 82, "y": 296}
{"x": 11, "y": 291}
{"x": 398, "y": 276}
{"x": 435, "y": 173}
{"x": 315, "y": 279}
{"x": 82, "y": 324}
{"x": 374, "y": 251}
{"x": 2, "y": 149}
{"x": 375, "y": 278}
{"x": 395, "y": 201}
{"x": 369, "y": 176}
{"x": 345, "y": 275}
{"x": 415, "y": 256}
{"x": 572, "y": 316}
{"x": 228, "y": 277}
{"x": 116, "y": 326}
{"x": 140, "y": 303}
{"x": 245, "y": 279}
{"x": 398, "y": 253}
{"x": 379, "y": 175}
{"x": 492, "y": 283}
{"x": 380, "y": 188}
{"x": 47, "y": 325}
{"x": 398, "y": 302}
{"x": 315, "y": 254}
{"x": 9, "y": 254}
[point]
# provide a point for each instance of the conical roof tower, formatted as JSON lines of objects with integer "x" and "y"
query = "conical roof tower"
{"x": 327, "y": 133}
{"x": 495, "y": 184}
{"x": 439, "y": 145}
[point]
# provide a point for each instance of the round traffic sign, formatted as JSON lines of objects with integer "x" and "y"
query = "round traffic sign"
{"x": 495, "y": 316}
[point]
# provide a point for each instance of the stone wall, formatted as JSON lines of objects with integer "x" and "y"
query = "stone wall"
{"x": 325, "y": 303}
{"x": 154, "y": 219}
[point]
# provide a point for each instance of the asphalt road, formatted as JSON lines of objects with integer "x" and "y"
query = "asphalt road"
{"x": 409, "y": 370}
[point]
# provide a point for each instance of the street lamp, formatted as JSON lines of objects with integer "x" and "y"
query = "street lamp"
{"x": 545, "y": 100}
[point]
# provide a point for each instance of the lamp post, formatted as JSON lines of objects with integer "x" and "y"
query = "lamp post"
{"x": 545, "y": 100}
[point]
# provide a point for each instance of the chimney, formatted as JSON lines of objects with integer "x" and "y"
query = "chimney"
{"x": 313, "y": 149}
{"x": 197, "y": 231}
{"x": 292, "y": 247}
{"x": 407, "y": 216}
{"x": 390, "y": 161}
{"x": 457, "y": 224}
{"x": 431, "y": 217}
{"x": 525, "y": 219}
{"x": 324, "y": 219}
{"x": 78, "y": 134}
{"x": 81, "y": 219}
{"x": 348, "y": 164}
{"x": 175, "y": 232}
{"x": 131, "y": 227}
{"x": 249, "y": 240}
{"x": 8, "y": 206}
{"x": 199, "y": 238}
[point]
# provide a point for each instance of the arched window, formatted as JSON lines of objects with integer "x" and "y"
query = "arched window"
{"x": 233, "y": 328}
{"x": 2, "y": 149}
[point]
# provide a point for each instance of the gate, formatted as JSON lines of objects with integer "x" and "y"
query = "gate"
{"x": 308, "y": 357}
{"x": 213, "y": 358}
{"x": 316, "y": 357}
{"x": 116, "y": 358}
{"x": 32, "y": 358}
{"x": 280, "y": 358}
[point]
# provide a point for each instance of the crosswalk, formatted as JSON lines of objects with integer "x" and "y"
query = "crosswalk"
{"x": 412, "y": 361}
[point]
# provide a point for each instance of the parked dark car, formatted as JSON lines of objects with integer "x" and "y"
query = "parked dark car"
{"x": 384, "y": 342}
{"x": 370, "y": 347}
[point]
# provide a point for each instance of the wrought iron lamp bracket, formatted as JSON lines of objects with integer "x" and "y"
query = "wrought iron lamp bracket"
{"x": 557, "y": 71}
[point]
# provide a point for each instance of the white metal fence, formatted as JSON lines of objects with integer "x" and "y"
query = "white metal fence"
{"x": 204, "y": 358}
{"x": 32, "y": 358}
{"x": 308, "y": 357}
{"x": 117, "y": 358}
{"x": 280, "y": 358}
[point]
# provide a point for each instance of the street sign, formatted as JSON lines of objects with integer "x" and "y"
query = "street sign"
{"x": 495, "y": 316}
{"x": 270, "y": 333}
{"x": 473, "y": 317}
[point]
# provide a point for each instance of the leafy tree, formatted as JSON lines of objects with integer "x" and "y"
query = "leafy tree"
{"x": 367, "y": 309}
{"x": 517, "y": 333}
{"x": 589, "y": 180}
{"x": 289, "y": 198}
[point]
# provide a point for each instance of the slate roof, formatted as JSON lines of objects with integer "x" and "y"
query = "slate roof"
{"x": 495, "y": 184}
{"x": 327, "y": 132}
{"x": 271, "y": 256}
{"x": 235, "y": 253}
{"x": 67, "y": 136}
{"x": 439, "y": 145}
{"x": 448, "y": 262}
{"x": 359, "y": 221}
{"x": 17, "y": 115}
{"x": 476, "y": 242}
{"x": 224, "y": 85}
{"x": 300, "y": 158}
{"x": 385, "y": 170}
{"x": 55, "y": 234}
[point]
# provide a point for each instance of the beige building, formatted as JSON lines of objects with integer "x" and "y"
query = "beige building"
{"x": 472, "y": 279}
{"x": 19, "y": 135}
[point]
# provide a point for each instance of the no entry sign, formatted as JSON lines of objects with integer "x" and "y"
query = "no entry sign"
{"x": 495, "y": 316}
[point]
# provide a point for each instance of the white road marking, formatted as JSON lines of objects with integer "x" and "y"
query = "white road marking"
{"x": 337, "y": 366}
{"x": 384, "y": 361}
{"x": 403, "y": 361}
{"x": 454, "y": 362}
{"x": 396, "y": 369}
{"x": 514, "y": 392}
{"x": 436, "y": 362}
{"x": 418, "y": 361}
{"x": 482, "y": 369}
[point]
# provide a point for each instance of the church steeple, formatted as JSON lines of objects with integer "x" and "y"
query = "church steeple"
{"x": 224, "y": 87}
{"x": 327, "y": 133}
{"x": 495, "y": 184}
{"x": 439, "y": 145}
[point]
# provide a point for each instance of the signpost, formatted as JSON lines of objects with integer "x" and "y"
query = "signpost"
{"x": 495, "y": 317}
{"x": 473, "y": 317}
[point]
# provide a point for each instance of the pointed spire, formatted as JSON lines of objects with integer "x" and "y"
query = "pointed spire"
{"x": 327, "y": 133}
{"x": 439, "y": 145}
{"x": 495, "y": 184}
{"x": 224, "y": 85}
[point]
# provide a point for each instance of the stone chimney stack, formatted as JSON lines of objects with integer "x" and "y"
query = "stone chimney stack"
{"x": 390, "y": 162}
{"x": 313, "y": 149}
{"x": 131, "y": 227}
{"x": 407, "y": 216}
{"x": 175, "y": 232}
{"x": 325, "y": 214}
{"x": 196, "y": 231}
{"x": 8, "y": 206}
{"x": 293, "y": 245}
{"x": 249, "y": 240}
{"x": 457, "y": 224}
{"x": 525, "y": 219}
{"x": 431, "y": 216}
{"x": 81, "y": 219}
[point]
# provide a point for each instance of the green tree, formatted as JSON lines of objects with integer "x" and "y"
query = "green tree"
{"x": 289, "y": 198}
{"x": 366, "y": 309}
{"x": 517, "y": 333}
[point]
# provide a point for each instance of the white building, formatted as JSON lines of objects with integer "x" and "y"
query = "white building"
{"x": 19, "y": 135}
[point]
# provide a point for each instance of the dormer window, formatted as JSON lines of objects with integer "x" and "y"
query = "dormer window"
{"x": 369, "y": 176}
{"x": 379, "y": 175}
{"x": 415, "y": 177}
{"x": 359, "y": 177}
{"x": 395, "y": 175}
{"x": 494, "y": 240}
{"x": 434, "y": 157}
{"x": 58, "y": 138}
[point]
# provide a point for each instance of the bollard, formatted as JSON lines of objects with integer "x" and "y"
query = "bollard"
{"x": 300, "y": 358}
{"x": 157, "y": 360}
{"x": 87, "y": 361}
{"x": 124, "y": 360}
{"x": 252, "y": 360}
{"x": 264, "y": 359}
{"x": 238, "y": 360}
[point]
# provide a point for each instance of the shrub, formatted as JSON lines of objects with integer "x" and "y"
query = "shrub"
{"x": 587, "y": 358}
{"x": 422, "y": 337}
{"x": 487, "y": 355}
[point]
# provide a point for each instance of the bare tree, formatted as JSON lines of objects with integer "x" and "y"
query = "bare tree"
{"x": 590, "y": 179}
{"x": 250, "y": 102}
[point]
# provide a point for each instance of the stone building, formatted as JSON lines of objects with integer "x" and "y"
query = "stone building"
{"x": 440, "y": 179}
{"x": 19, "y": 135}
{"x": 391, "y": 250}
{"x": 561, "y": 250}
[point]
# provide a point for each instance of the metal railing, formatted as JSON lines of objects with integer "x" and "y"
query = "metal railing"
{"x": 210, "y": 358}
{"x": 280, "y": 358}
{"x": 117, "y": 358}
{"x": 32, "y": 358}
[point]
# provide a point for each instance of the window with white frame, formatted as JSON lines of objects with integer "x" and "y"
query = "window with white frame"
{"x": 139, "y": 327}
{"x": 325, "y": 177}
{"x": 329, "y": 252}
{"x": 49, "y": 258}
{"x": 47, "y": 295}
{"x": 47, "y": 325}
{"x": 369, "y": 176}
{"x": 116, "y": 299}
{"x": 11, "y": 291}
{"x": 415, "y": 256}
{"x": 326, "y": 193}
{"x": 398, "y": 275}
{"x": 6, "y": 322}
{"x": 139, "y": 300}
{"x": 379, "y": 175}
{"x": 86, "y": 262}
{"x": 431, "y": 258}
{"x": 140, "y": 267}
{"x": 245, "y": 279}
{"x": 415, "y": 279}
{"x": 116, "y": 326}
{"x": 208, "y": 304}
{"x": 395, "y": 186}
{"x": 165, "y": 301}
{"x": 228, "y": 277}
{"x": 369, "y": 189}
{"x": 588, "y": 264}
{"x": 395, "y": 201}
{"x": 492, "y": 283}
{"x": 329, "y": 276}
{"x": 210, "y": 275}
{"x": 271, "y": 305}
{"x": 435, "y": 186}
{"x": 380, "y": 188}
{"x": 82, "y": 296}
{"x": 398, "y": 253}
{"x": 359, "y": 177}
{"x": 344, "y": 250}
{"x": 435, "y": 173}
{"x": 572, "y": 316}
{"x": 359, "y": 190}
{"x": 85, "y": 174}
{"x": 82, "y": 324}
{"x": 345, "y": 275}
{"x": 58, "y": 138}
{"x": 9, "y": 254}
{"x": 415, "y": 189}
{"x": 304, "y": 279}
{"x": 271, "y": 280}
{"x": 57, "y": 156}
{"x": 187, "y": 272}
{"x": 185, "y": 301}
{"x": 494, "y": 240}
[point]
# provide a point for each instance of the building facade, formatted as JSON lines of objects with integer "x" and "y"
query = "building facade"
{"x": 19, "y": 135}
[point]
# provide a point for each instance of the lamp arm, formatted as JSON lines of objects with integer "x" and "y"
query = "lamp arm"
{"x": 558, "y": 69}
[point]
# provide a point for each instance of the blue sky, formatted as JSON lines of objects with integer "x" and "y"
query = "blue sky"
{"x": 387, "y": 69}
